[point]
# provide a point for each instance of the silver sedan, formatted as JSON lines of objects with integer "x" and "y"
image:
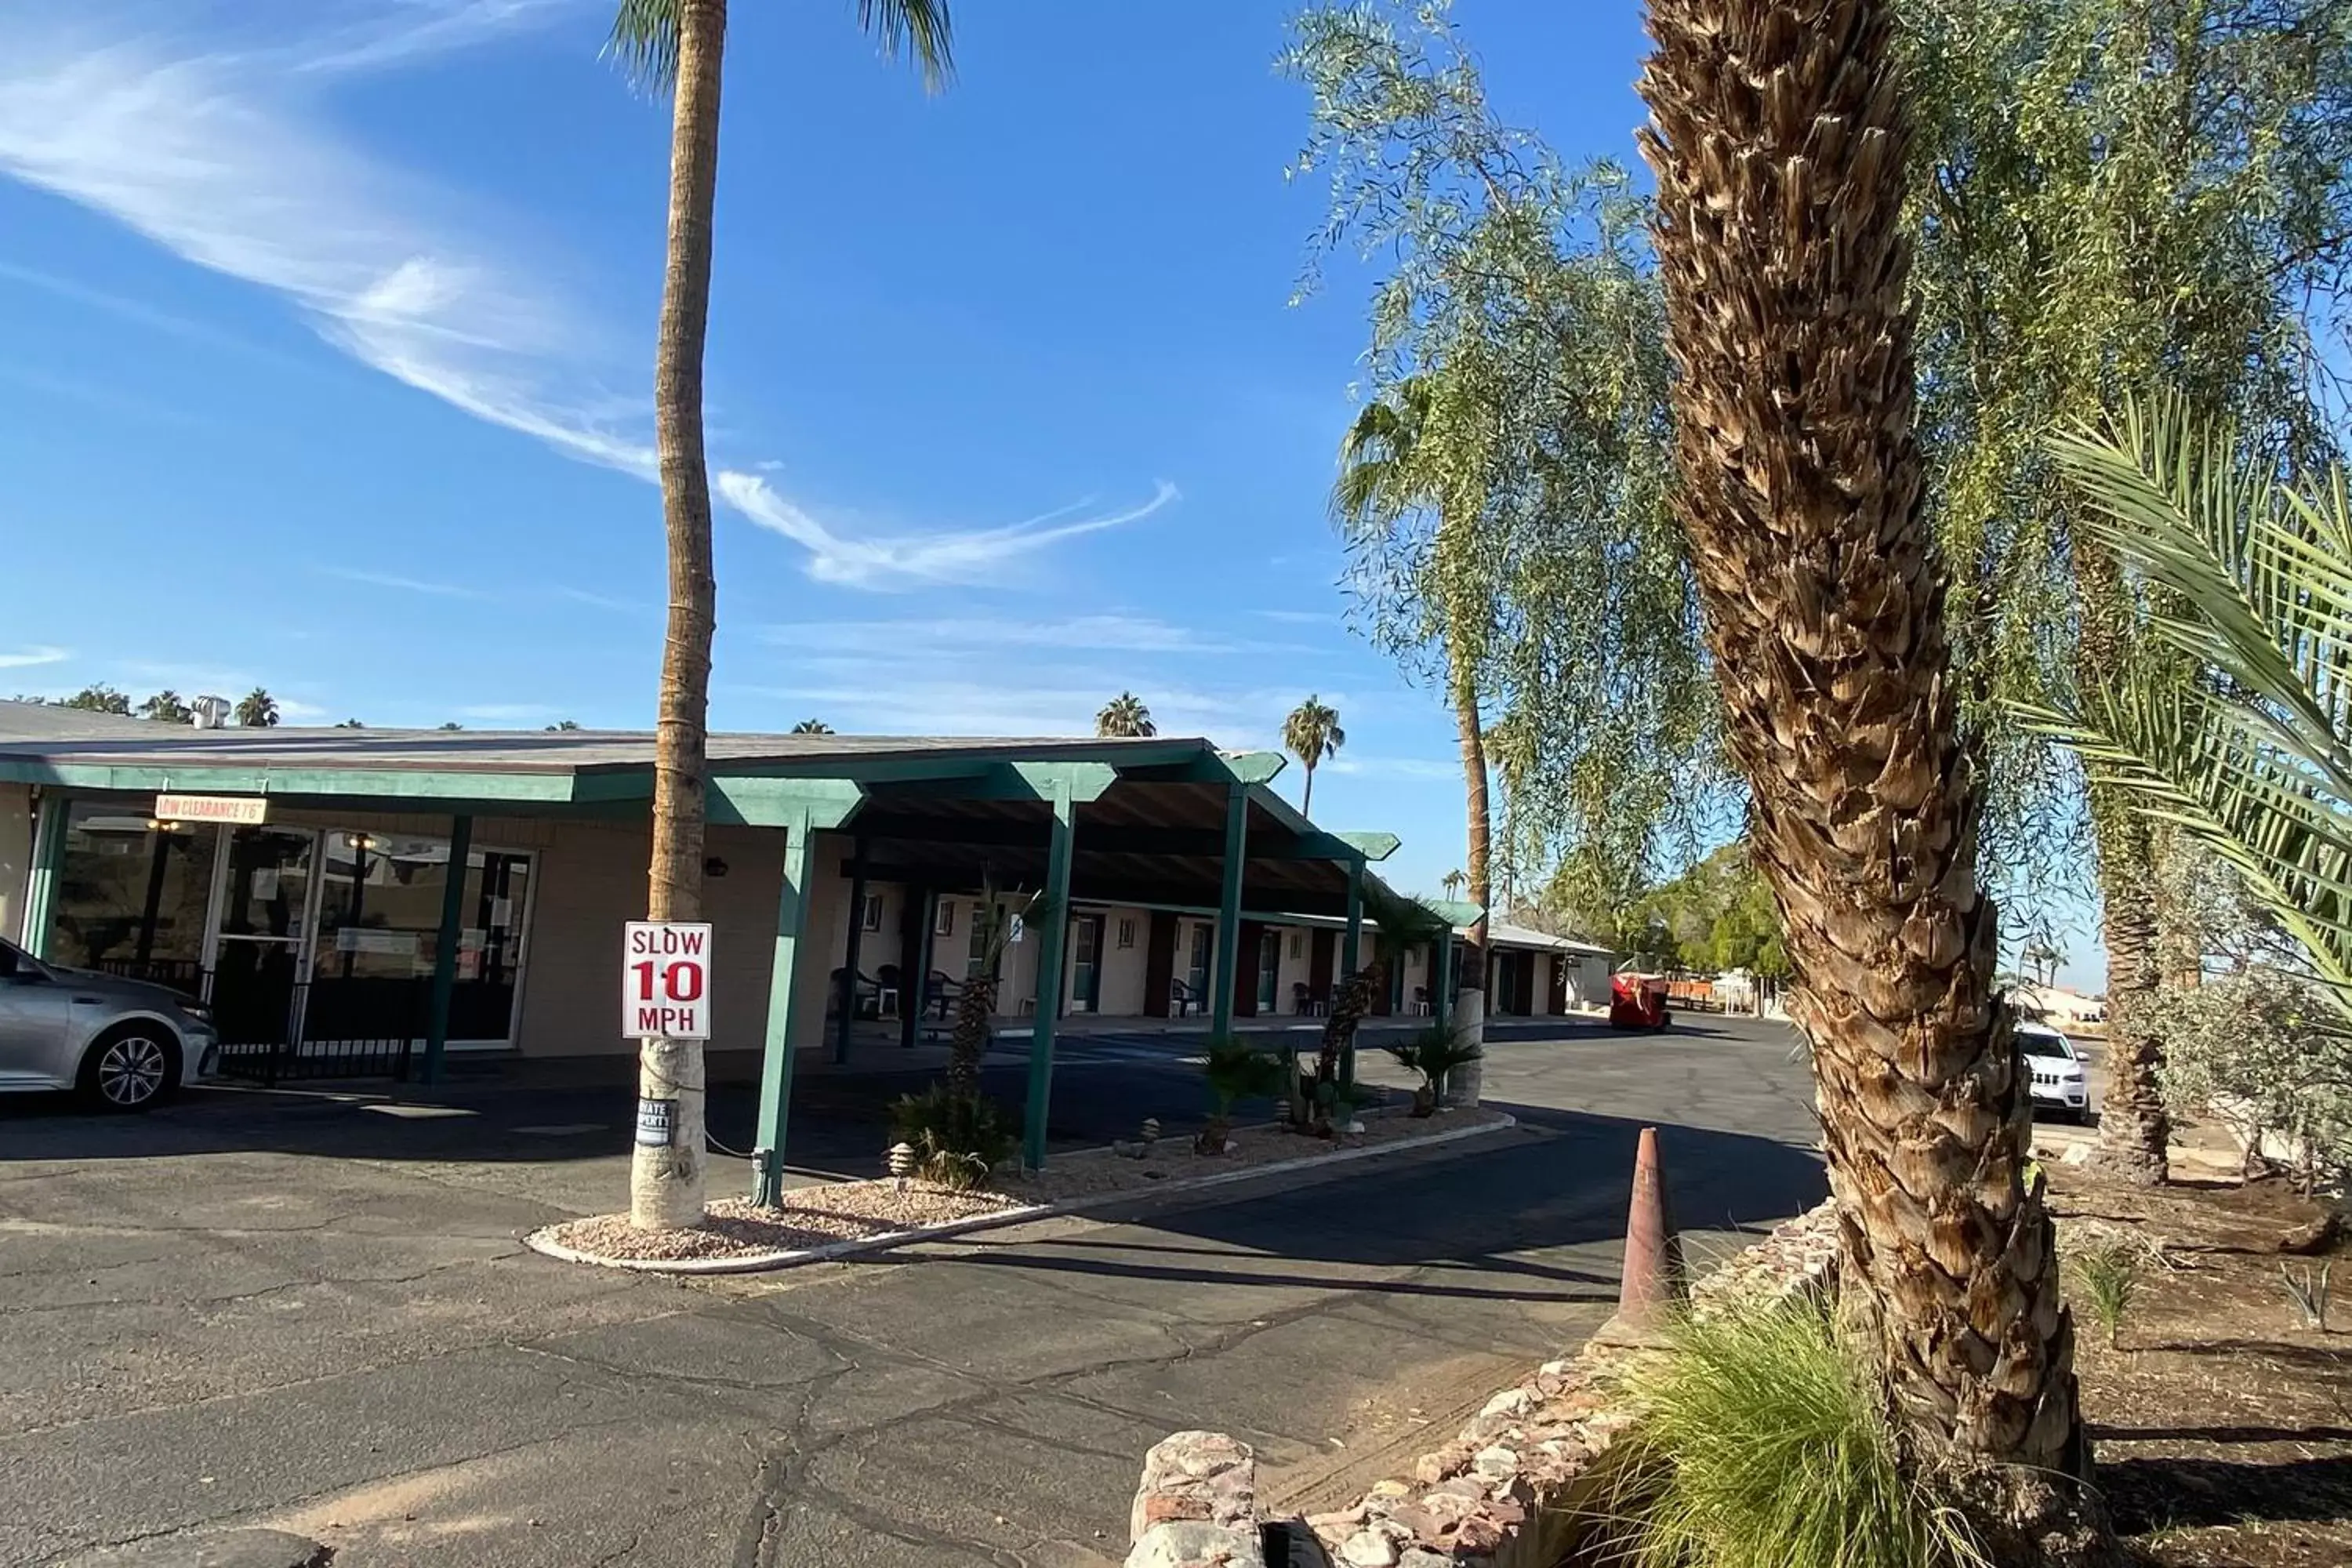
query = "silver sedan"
{"x": 122, "y": 1044}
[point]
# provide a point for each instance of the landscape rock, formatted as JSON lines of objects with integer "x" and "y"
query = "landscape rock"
{"x": 1369, "y": 1549}
{"x": 1204, "y": 1476}
{"x": 1192, "y": 1543}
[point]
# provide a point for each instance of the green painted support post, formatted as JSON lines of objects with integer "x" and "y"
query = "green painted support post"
{"x": 918, "y": 984}
{"x": 1050, "y": 942}
{"x": 1351, "y": 948}
{"x": 1229, "y": 913}
{"x": 849, "y": 957}
{"x": 41, "y": 887}
{"x": 776, "y": 1057}
{"x": 914, "y": 957}
{"x": 445, "y": 949}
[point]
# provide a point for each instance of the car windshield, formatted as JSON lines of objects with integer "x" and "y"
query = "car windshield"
{"x": 2040, "y": 1043}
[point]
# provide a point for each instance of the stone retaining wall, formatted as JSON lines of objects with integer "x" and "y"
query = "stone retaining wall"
{"x": 1508, "y": 1491}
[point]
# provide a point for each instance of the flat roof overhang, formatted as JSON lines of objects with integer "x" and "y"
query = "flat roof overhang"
{"x": 1150, "y": 814}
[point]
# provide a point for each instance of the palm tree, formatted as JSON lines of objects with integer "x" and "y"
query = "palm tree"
{"x": 1312, "y": 733}
{"x": 258, "y": 709}
{"x": 563, "y": 726}
{"x": 677, "y": 45}
{"x": 1420, "y": 449}
{"x": 1778, "y": 139}
{"x": 167, "y": 706}
{"x": 812, "y": 727}
{"x": 2243, "y": 740}
{"x": 1125, "y": 716}
{"x": 1451, "y": 882}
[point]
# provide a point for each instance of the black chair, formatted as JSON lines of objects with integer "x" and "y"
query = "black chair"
{"x": 1304, "y": 1002}
{"x": 942, "y": 992}
{"x": 1187, "y": 1000}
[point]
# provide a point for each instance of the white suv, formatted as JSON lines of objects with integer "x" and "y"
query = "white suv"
{"x": 2058, "y": 1081}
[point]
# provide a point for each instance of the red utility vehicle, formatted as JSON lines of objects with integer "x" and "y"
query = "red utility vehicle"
{"x": 1638, "y": 1001}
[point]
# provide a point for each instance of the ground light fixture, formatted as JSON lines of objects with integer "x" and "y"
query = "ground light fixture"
{"x": 901, "y": 1160}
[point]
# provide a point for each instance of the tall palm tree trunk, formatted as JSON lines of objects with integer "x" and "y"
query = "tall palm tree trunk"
{"x": 665, "y": 1185}
{"x": 2133, "y": 1129}
{"x": 1474, "y": 790}
{"x": 1778, "y": 142}
{"x": 1307, "y": 797}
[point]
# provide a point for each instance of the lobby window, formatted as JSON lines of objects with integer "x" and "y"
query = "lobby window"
{"x": 873, "y": 916}
{"x": 132, "y": 894}
{"x": 943, "y": 920}
{"x": 1298, "y": 944}
{"x": 1127, "y": 932}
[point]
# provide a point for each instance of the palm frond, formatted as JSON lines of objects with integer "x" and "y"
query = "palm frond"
{"x": 918, "y": 28}
{"x": 643, "y": 44}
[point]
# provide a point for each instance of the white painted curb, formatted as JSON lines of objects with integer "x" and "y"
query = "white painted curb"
{"x": 541, "y": 1241}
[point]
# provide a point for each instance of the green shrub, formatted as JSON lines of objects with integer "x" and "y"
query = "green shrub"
{"x": 958, "y": 1137}
{"x": 2109, "y": 1272}
{"x": 1432, "y": 1053}
{"x": 1236, "y": 1071}
{"x": 2308, "y": 1291}
{"x": 1762, "y": 1446}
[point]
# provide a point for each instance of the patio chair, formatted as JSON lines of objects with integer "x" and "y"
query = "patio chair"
{"x": 886, "y": 991}
{"x": 1185, "y": 999}
{"x": 1421, "y": 1000}
{"x": 867, "y": 991}
{"x": 941, "y": 991}
{"x": 1304, "y": 1002}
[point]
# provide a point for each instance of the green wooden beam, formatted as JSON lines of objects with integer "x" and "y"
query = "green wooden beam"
{"x": 1051, "y": 942}
{"x": 777, "y": 1038}
{"x": 1229, "y": 911}
{"x": 877, "y": 821}
{"x": 1351, "y": 947}
{"x": 41, "y": 887}
{"x": 1374, "y": 846}
{"x": 1005, "y": 781}
{"x": 199, "y": 778}
{"x": 780, "y": 803}
{"x": 445, "y": 949}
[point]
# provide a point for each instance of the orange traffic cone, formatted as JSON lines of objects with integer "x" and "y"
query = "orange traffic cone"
{"x": 1652, "y": 1282}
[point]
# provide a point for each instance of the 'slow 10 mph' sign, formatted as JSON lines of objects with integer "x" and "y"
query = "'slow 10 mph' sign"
{"x": 666, "y": 980}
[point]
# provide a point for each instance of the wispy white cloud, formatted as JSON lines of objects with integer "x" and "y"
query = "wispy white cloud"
{"x": 1304, "y": 618}
{"x": 404, "y": 584}
{"x": 206, "y": 134}
{"x": 29, "y": 658}
{"x": 927, "y": 637}
{"x": 965, "y": 556}
{"x": 601, "y": 601}
{"x": 1396, "y": 767}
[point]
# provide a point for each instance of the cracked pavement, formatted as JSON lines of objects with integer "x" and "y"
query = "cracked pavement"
{"x": 213, "y": 1319}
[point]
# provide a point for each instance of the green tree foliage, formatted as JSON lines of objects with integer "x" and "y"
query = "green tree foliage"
{"x": 812, "y": 727}
{"x": 1520, "y": 552}
{"x": 2269, "y": 1052}
{"x": 1125, "y": 716}
{"x": 257, "y": 709}
{"x": 166, "y": 707}
{"x": 2107, "y": 194}
{"x": 98, "y": 698}
{"x": 1311, "y": 734}
{"x": 1716, "y": 916}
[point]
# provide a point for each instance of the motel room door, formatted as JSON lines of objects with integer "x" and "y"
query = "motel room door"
{"x": 264, "y": 904}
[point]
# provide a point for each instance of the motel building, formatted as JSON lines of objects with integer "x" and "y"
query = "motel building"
{"x": 374, "y": 903}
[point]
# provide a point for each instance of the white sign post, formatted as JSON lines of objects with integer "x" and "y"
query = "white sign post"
{"x": 666, "y": 980}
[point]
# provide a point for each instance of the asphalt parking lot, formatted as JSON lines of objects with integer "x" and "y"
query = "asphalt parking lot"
{"x": 315, "y": 1315}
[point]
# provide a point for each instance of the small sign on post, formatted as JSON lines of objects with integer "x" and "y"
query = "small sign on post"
{"x": 666, "y": 980}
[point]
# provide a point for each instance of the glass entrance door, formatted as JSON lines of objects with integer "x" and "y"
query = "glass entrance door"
{"x": 1086, "y": 963}
{"x": 263, "y": 909}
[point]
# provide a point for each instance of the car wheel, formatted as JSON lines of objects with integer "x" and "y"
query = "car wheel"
{"x": 130, "y": 1068}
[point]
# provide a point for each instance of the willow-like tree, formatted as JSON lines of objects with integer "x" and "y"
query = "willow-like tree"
{"x": 678, "y": 47}
{"x": 1778, "y": 139}
{"x": 2108, "y": 196}
{"x": 1504, "y": 491}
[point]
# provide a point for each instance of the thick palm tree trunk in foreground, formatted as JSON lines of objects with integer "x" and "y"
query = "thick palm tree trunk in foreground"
{"x": 1778, "y": 142}
{"x": 666, "y": 1183}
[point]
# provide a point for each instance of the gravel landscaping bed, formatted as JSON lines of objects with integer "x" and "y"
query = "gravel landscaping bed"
{"x": 737, "y": 1230}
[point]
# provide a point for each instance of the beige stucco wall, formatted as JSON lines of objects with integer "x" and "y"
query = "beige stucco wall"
{"x": 16, "y": 857}
{"x": 591, "y": 881}
{"x": 1122, "y": 968}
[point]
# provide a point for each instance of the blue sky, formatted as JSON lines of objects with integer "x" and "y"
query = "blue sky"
{"x": 329, "y": 330}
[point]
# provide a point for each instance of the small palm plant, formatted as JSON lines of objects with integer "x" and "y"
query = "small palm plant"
{"x": 2109, "y": 1273}
{"x": 1235, "y": 1070}
{"x": 976, "y": 1003}
{"x": 1432, "y": 1053}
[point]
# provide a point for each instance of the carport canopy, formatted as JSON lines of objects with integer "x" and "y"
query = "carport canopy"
{"x": 1151, "y": 821}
